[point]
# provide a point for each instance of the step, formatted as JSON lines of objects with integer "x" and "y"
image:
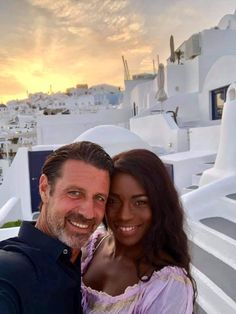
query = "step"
{"x": 210, "y": 163}
{"x": 217, "y": 271}
{"x": 198, "y": 309}
{"x": 210, "y": 297}
{"x": 231, "y": 196}
{"x": 196, "y": 178}
{"x": 192, "y": 187}
{"x": 222, "y": 225}
{"x": 218, "y": 207}
{"x": 189, "y": 188}
{"x": 212, "y": 241}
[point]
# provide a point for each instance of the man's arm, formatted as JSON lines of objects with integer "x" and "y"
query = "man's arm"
{"x": 9, "y": 299}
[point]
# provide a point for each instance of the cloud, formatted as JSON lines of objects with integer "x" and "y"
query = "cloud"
{"x": 10, "y": 85}
{"x": 76, "y": 34}
{"x": 64, "y": 42}
{"x": 88, "y": 33}
{"x": 110, "y": 23}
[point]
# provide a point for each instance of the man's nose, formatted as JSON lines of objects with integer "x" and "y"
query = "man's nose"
{"x": 87, "y": 208}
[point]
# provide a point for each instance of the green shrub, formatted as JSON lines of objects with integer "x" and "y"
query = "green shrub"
{"x": 10, "y": 224}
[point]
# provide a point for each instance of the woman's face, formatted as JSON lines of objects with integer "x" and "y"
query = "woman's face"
{"x": 128, "y": 210}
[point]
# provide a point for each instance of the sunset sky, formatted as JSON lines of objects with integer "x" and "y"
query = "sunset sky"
{"x": 66, "y": 42}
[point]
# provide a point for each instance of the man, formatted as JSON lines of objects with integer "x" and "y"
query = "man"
{"x": 40, "y": 269}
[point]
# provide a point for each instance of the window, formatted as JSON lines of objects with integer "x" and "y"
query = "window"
{"x": 218, "y": 98}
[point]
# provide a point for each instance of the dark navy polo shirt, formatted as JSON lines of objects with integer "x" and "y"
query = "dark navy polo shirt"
{"x": 36, "y": 275}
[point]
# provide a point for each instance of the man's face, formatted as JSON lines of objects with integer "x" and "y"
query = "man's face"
{"x": 73, "y": 209}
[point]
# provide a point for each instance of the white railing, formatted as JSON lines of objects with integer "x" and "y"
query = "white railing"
{"x": 10, "y": 211}
{"x": 6, "y": 233}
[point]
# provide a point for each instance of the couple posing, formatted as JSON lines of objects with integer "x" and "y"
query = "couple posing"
{"x": 139, "y": 263}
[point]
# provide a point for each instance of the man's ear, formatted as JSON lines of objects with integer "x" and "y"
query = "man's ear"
{"x": 44, "y": 188}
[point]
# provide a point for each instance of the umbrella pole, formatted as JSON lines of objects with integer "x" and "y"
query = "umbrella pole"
{"x": 162, "y": 107}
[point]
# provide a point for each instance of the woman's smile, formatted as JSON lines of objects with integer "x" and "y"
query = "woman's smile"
{"x": 128, "y": 211}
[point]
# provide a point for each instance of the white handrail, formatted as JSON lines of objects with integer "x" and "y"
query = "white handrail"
{"x": 205, "y": 194}
{"x": 11, "y": 210}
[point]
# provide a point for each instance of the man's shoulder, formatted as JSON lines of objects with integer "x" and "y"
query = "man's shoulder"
{"x": 5, "y": 242}
{"x": 11, "y": 248}
{"x": 13, "y": 258}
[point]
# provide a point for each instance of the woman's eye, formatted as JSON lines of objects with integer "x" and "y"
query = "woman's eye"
{"x": 141, "y": 202}
{"x": 112, "y": 201}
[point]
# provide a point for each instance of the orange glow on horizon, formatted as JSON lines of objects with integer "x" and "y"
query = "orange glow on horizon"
{"x": 65, "y": 43}
{"x": 35, "y": 78}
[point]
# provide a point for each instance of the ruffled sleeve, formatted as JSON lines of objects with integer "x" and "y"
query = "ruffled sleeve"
{"x": 89, "y": 248}
{"x": 169, "y": 292}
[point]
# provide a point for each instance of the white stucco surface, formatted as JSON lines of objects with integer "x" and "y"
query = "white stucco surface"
{"x": 228, "y": 21}
{"x": 113, "y": 139}
{"x": 160, "y": 130}
{"x": 225, "y": 164}
{"x": 60, "y": 129}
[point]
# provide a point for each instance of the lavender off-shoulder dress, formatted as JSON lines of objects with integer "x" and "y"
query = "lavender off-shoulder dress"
{"x": 169, "y": 291}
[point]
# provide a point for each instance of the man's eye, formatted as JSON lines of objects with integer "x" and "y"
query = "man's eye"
{"x": 101, "y": 198}
{"x": 74, "y": 193}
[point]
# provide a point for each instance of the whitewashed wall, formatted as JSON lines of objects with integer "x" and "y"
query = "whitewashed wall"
{"x": 183, "y": 78}
{"x": 187, "y": 164}
{"x": 175, "y": 79}
{"x": 144, "y": 94}
{"x": 4, "y": 165}
{"x": 217, "y": 41}
{"x": 129, "y": 86}
{"x": 17, "y": 183}
{"x": 205, "y": 138}
{"x": 222, "y": 73}
{"x": 161, "y": 131}
{"x": 61, "y": 129}
{"x": 113, "y": 139}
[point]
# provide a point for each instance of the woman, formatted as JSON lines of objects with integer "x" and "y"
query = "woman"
{"x": 141, "y": 265}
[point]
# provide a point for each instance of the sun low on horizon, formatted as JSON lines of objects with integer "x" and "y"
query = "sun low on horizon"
{"x": 49, "y": 46}
{"x": 36, "y": 77}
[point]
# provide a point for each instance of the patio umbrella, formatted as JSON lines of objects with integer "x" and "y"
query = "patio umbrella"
{"x": 161, "y": 94}
{"x": 172, "y": 49}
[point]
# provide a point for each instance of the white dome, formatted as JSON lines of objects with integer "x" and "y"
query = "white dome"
{"x": 228, "y": 21}
{"x": 113, "y": 139}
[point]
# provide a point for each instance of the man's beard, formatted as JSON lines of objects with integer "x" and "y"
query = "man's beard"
{"x": 73, "y": 240}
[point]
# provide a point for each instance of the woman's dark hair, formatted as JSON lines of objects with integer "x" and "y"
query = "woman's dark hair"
{"x": 166, "y": 242}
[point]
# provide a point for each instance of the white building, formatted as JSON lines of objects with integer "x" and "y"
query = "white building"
{"x": 198, "y": 146}
{"x": 196, "y": 86}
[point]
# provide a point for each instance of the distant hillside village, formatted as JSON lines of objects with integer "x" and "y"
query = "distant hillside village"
{"x": 185, "y": 113}
{"x": 177, "y": 108}
{"x": 18, "y": 118}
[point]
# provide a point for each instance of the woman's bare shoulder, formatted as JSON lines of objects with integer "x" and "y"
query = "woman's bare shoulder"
{"x": 93, "y": 243}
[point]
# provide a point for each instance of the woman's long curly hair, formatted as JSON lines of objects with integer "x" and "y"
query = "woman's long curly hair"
{"x": 166, "y": 243}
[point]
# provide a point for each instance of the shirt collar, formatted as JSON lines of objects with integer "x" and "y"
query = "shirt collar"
{"x": 38, "y": 239}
